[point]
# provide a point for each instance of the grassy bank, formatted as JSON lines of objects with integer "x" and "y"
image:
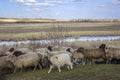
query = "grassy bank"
{"x": 87, "y": 72}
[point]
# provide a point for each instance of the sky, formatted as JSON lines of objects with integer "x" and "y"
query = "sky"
{"x": 60, "y": 9}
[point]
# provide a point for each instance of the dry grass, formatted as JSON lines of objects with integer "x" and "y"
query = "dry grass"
{"x": 41, "y": 31}
{"x": 19, "y": 20}
{"x": 95, "y": 44}
{"x": 44, "y": 35}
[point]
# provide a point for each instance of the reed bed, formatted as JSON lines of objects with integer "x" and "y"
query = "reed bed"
{"x": 46, "y": 35}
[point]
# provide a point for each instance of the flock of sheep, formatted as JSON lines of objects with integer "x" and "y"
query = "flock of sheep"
{"x": 55, "y": 56}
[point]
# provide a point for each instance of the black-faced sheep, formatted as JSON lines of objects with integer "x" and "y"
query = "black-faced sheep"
{"x": 90, "y": 54}
{"x": 17, "y": 52}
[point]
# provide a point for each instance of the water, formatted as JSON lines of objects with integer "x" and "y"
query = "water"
{"x": 71, "y": 39}
{"x": 93, "y": 38}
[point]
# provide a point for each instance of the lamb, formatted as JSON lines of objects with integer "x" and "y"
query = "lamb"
{"x": 26, "y": 60}
{"x": 90, "y": 54}
{"x": 60, "y": 60}
{"x": 113, "y": 54}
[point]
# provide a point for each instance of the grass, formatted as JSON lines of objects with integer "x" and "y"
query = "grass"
{"x": 87, "y": 72}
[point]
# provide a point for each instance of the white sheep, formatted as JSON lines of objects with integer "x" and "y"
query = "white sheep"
{"x": 59, "y": 52}
{"x": 26, "y": 60}
{"x": 60, "y": 60}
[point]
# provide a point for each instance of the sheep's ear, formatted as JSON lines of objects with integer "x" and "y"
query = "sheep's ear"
{"x": 50, "y": 48}
{"x": 11, "y": 49}
{"x": 69, "y": 50}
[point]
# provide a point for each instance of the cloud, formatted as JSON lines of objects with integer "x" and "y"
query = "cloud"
{"x": 100, "y": 6}
{"x": 32, "y": 3}
{"x": 116, "y": 2}
{"x": 38, "y": 4}
{"x": 24, "y": 1}
{"x": 62, "y": 1}
{"x": 33, "y": 10}
{"x": 45, "y": 2}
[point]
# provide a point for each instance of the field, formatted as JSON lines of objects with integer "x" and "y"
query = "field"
{"x": 16, "y": 31}
{"x": 87, "y": 72}
{"x": 31, "y": 31}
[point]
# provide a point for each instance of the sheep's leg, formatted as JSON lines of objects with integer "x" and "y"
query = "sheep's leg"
{"x": 86, "y": 61}
{"x": 59, "y": 68}
{"x": 51, "y": 67}
{"x": 68, "y": 67}
{"x": 15, "y": 70}
{"x": 75, "y": 61}
{"x": 90, "y": 61}
{"x": 71, "y": 66}
{"x": 35, "y": 68}
{"x": 20, "y": 69}
{"x": 40, "y": 66}
{"x": 105, "y": 60}
{"x": 83, "y": 62}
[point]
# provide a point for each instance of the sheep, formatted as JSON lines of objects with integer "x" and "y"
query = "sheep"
{"x": 113, "y": 54}
{"x": 58, "y": 48}
{"x": 2, "y": 53}
{"x": 26, "y": 60}
{"x": 4, "y": 63}
{"x": 43, "y": 52}
{"x": 60, "y": 60}
{"x": 78, "y": 57}
{"x": 90, "y": 54}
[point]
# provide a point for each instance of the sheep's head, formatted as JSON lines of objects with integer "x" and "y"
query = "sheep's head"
{"x": 80, "y": 49}
{"x": 11, "y": 58}
{"x": 50, "y": 48}
{"x": 11, "y": 49}
{"x": 106, "y": 50}
{"x": 102, "y": 46}
{"x": 71, "y": 50}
